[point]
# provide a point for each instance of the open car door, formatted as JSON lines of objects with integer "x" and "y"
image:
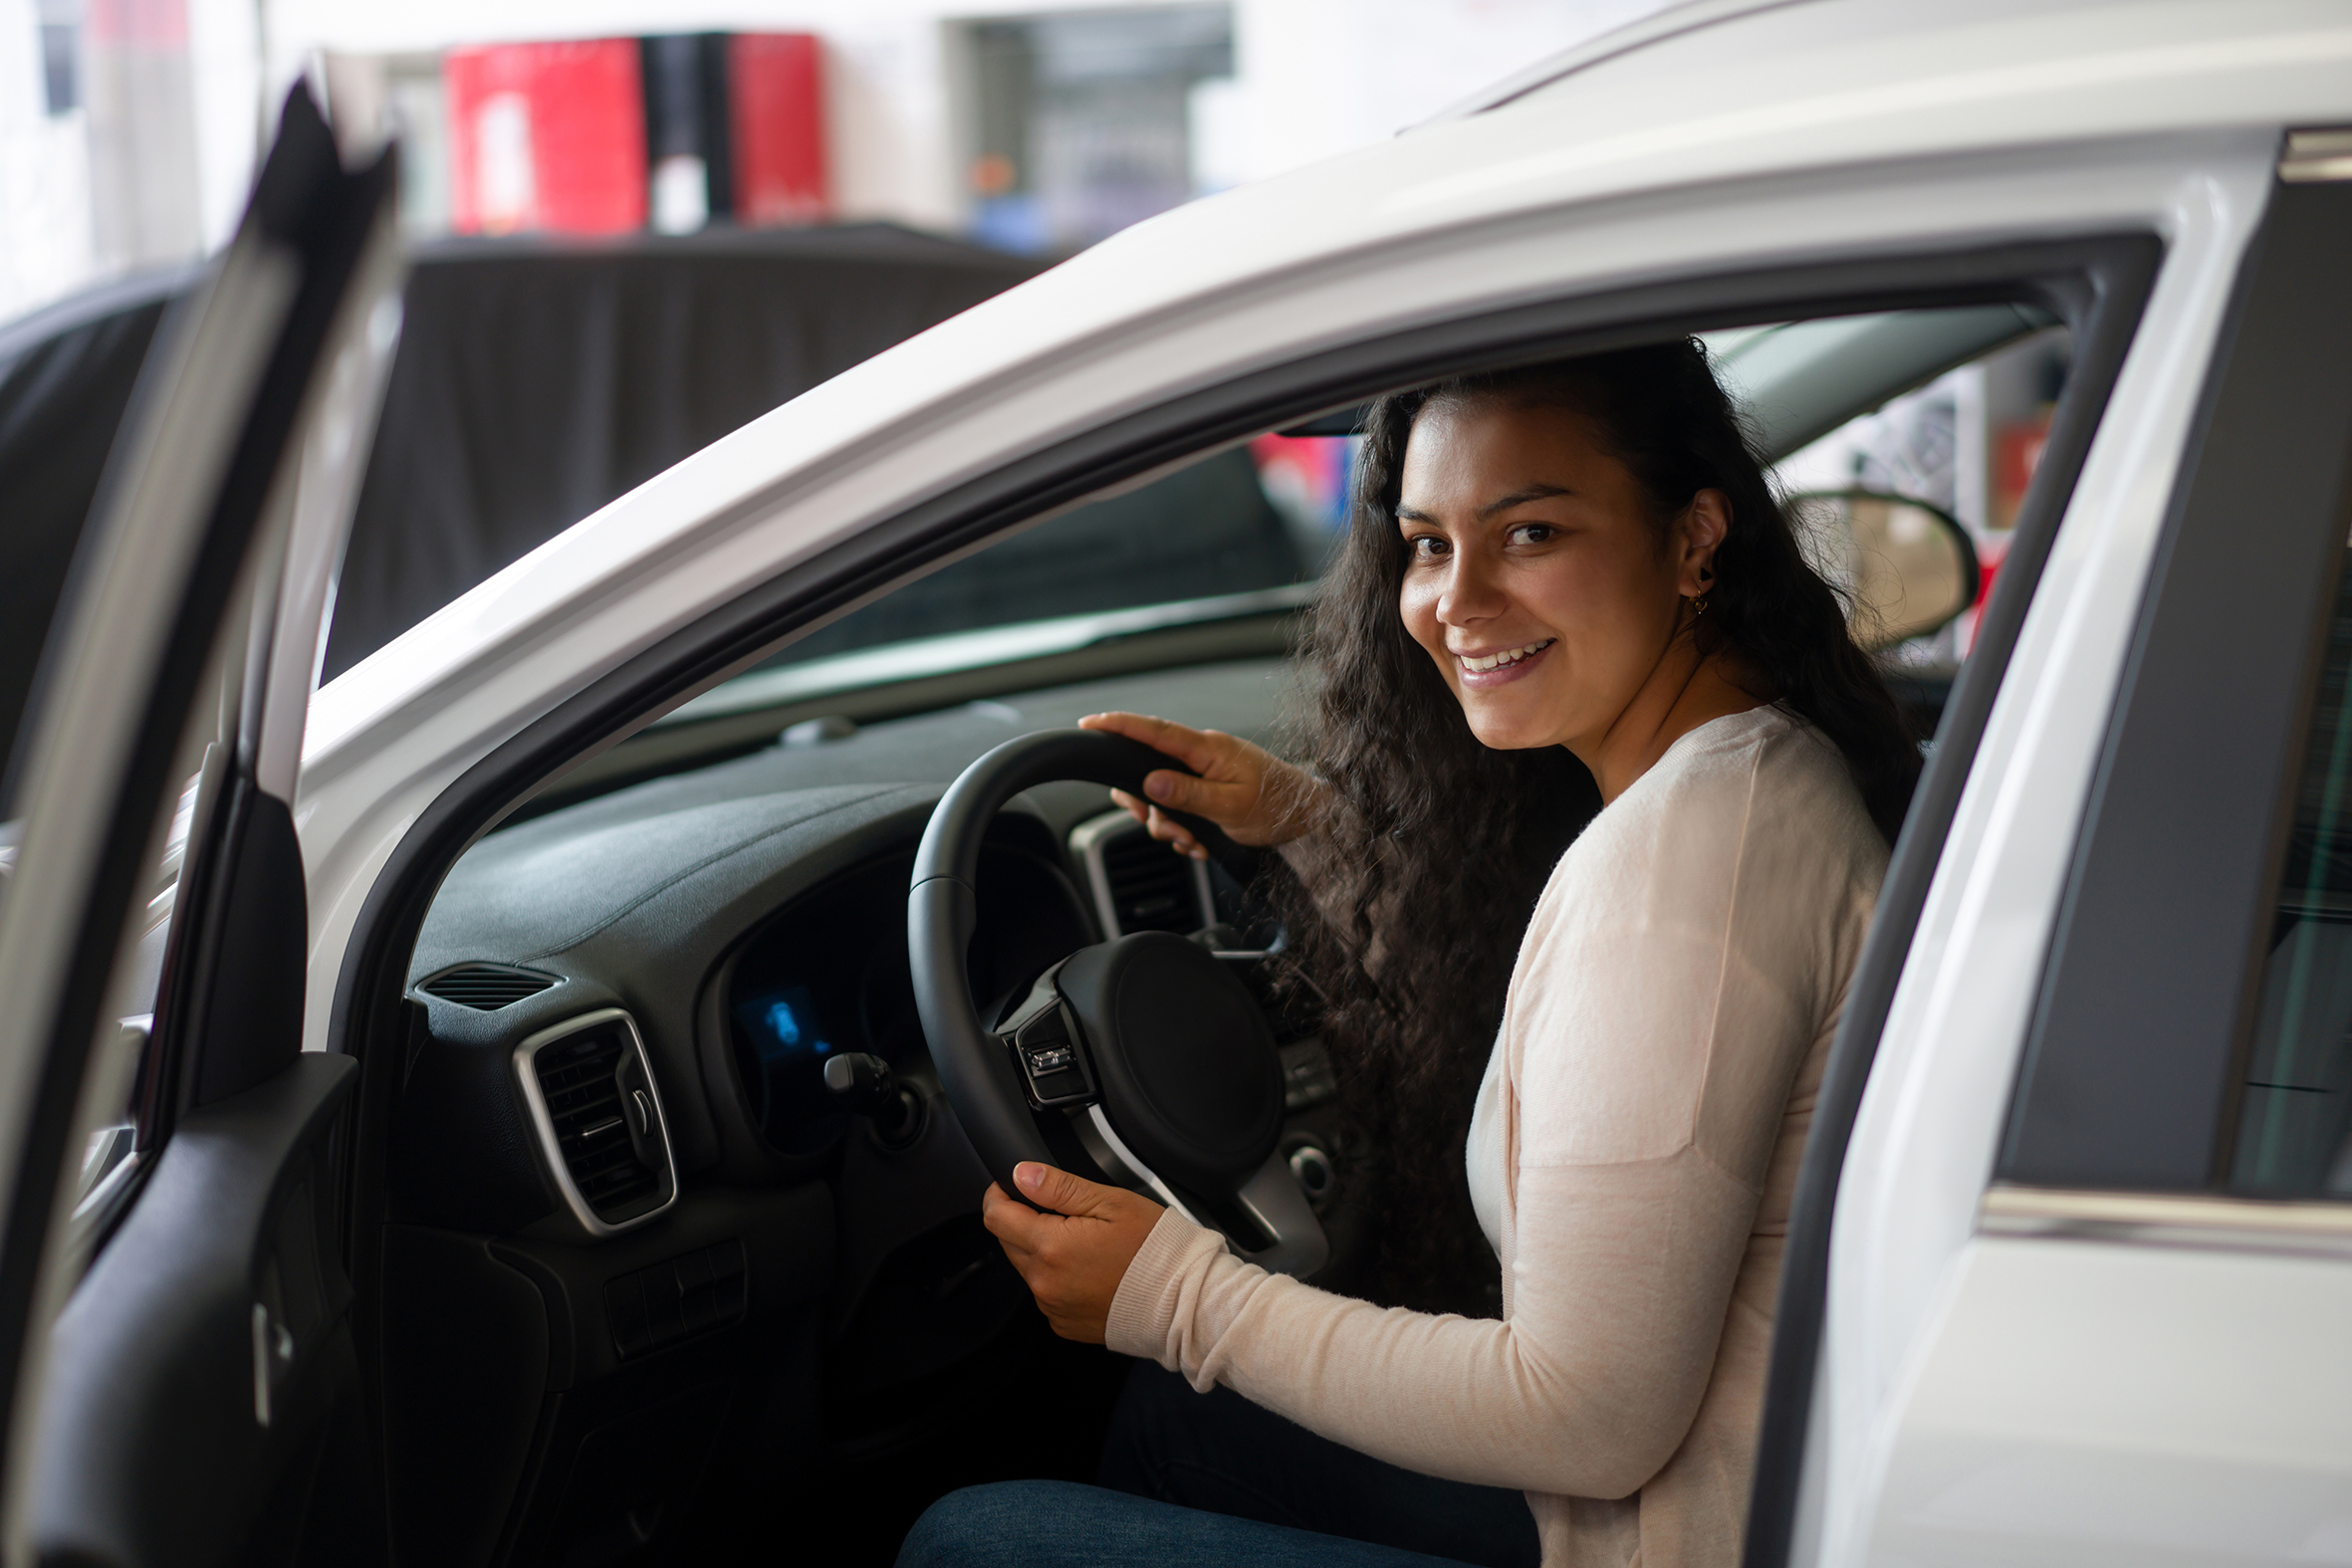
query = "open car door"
{"x": 175, "y": 1359}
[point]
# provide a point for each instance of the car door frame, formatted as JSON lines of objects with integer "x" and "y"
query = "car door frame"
{"x": 2099, "y": 283}
{"x": 197, "y": 598}
{"x": 2110, "y": 1176}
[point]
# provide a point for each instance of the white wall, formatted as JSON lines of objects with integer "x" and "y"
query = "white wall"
{"x": 224, "y": 50}
{"x": 1312, "y": 77}
{"x": 45, "y": 236}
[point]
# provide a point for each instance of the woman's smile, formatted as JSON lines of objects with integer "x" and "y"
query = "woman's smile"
{"x": 1484, "y": 669}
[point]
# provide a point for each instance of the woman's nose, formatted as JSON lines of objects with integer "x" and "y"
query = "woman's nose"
{"x": 1470, "y": 593}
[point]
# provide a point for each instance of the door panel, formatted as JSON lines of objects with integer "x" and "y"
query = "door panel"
{"x": 202, "y": 1398}
{"x": 210, "y": 1342}
{"x": 2102, "y": 1406}
{"x": 2120, "y": 1361}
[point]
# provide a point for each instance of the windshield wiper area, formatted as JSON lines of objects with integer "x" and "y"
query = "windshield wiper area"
{"x": 925, "y": 658}
{"x": 922, "y": 675}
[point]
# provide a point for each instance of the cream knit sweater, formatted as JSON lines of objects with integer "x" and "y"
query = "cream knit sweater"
{"x": 1634, "y": 1154}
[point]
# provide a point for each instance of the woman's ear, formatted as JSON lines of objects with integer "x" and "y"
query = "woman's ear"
{"x": 1704, "y": 524}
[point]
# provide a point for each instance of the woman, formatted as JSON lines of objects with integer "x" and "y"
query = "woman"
{"x": 1582, "y": 556}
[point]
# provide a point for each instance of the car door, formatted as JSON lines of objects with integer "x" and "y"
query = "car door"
{"x": 2137, "y": 1356}
{"x": 174, "y": 1344}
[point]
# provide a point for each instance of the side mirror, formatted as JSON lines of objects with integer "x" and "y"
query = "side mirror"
{"x": 1907, "y": 568}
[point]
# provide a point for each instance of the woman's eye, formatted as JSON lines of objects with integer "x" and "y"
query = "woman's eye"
{"x": 1426, "y": 547}
{"x": 1533, "y": 534}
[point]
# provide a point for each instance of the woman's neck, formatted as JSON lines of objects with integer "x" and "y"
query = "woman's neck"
{"x": 1686, "y": 689}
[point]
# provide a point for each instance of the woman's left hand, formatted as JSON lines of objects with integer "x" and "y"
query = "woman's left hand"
{"x": 1073, "y": 1257}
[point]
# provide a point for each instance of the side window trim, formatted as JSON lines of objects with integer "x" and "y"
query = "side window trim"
{"x": 2148, "y": 993}
{"x": 2102, "y": 301}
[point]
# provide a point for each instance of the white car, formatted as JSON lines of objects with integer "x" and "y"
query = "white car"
{"x": 416, "y": 1142}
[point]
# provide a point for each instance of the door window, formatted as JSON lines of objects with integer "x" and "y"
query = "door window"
{"x": 2295, "y": 1098}
{"x": 2190, "y": 1034}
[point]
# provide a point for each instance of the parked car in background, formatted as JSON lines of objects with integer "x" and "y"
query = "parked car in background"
{"x": 414, "y": 1122}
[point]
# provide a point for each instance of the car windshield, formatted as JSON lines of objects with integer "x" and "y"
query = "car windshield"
{"x": 1246, "y": 532}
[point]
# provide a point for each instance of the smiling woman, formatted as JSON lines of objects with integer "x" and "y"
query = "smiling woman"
{"x": 1580, "y": 561}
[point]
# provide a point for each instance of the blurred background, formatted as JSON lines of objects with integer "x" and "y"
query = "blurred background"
{"x": 129, "y": 129}
{"x": 636, "y": 226}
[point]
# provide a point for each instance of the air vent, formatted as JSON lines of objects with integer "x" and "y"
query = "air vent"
{"x": 600, "y": 1119}
{"x": 1150, "y": 886}
{"x": 486, "y": 988}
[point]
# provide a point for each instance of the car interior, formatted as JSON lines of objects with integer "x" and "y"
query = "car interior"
{"x": 656, "y": 1280}
{"x": 680, "y": 1251}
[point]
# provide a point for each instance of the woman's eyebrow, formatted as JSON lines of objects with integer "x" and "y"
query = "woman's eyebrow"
{"x": 1520, "y": 497}
{"x": 1413, "y": 515}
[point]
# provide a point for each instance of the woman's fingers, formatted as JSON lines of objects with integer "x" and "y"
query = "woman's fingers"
{"x": 1174, "y": 835}
{"x": 1159, "y": 824}
{"x": 1075, "y": 1253}
{"x": 1198, "y": 750}
{"x": 1235, "y": 784}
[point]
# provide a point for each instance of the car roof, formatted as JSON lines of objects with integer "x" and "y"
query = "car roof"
{"x": 1642, "y": 32}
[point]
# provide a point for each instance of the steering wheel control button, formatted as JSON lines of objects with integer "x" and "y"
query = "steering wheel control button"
{"x": 1052, "y": 1066}
{"x": 1186, "y": 1062}
{"x": 677, "y": 1300}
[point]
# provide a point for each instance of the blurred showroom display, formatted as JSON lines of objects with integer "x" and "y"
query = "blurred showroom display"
{"x": 612, "y": 136}
{"x": 128, "y": 128}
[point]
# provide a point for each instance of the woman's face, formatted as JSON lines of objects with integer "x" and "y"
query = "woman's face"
{"x": 1535, "y": 575}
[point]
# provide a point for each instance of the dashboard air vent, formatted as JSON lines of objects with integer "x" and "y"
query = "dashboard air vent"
{"x": 580, "y": 1079}
{"x": 1153, "y": 888}
{"x": 487, "y": 986}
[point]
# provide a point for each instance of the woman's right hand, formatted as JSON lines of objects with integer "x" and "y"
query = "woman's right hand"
{"x": 1257, "y": 797}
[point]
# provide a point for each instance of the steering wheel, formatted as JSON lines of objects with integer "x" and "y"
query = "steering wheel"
{"x": 1144, "y": 1053}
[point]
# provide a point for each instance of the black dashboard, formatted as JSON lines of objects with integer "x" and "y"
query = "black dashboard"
{"x": 621, "y": 1012}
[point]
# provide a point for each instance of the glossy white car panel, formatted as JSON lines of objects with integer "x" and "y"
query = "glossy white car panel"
{"x": 1923, "y": 1145}
{"x": 2095, "y": 1403}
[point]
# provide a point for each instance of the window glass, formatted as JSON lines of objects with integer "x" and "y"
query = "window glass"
{"x": 1250, "y": 518}
{"x": 2294, "y": 1103}
{"x": 1923, "y": 425}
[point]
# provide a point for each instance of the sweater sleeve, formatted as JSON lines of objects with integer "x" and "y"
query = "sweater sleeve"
{"x": 1586, "y": 1390}
{"x": 1655, "y": 1026}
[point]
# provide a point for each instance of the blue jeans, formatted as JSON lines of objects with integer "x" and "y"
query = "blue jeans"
{"x": 1207, "y": 1479}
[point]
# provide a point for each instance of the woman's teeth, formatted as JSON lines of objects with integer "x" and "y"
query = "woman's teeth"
{"x": 1494, "y": 661}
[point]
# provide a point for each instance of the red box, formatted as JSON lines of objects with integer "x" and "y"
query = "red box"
{"x": 776, "y": 89}
{"x": 548, "y": 137}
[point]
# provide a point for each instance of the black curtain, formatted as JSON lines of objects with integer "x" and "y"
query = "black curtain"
{"x": 66, "y": 377}
{"x": 537, "y": 382}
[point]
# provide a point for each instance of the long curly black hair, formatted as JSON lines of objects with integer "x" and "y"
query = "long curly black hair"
{"x": 1419, "y": 887}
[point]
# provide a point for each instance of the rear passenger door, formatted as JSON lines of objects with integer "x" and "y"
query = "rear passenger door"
{"x": 2143, "y": 1354}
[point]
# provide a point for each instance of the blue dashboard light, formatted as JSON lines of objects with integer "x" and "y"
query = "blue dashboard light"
{"x": 784, "y": 1027}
